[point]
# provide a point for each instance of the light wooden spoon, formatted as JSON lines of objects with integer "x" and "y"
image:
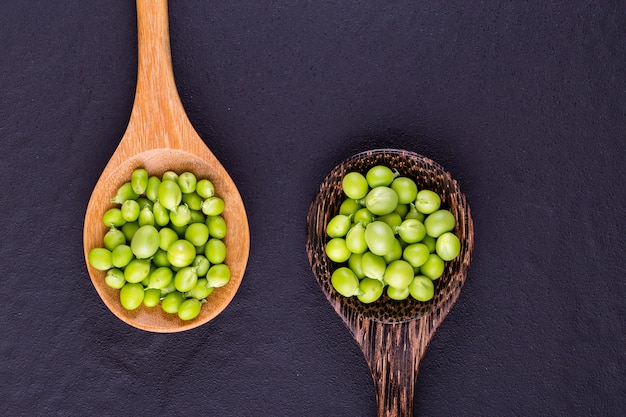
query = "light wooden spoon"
{"x": 393, "y": 335}
{"x": 160, "y": 137}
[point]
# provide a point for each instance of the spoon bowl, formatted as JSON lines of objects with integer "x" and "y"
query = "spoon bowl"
{"x": 393, "y": 335}
{"x": 160, "y": 138}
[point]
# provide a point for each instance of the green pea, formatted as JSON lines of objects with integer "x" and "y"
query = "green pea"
{"x": 180, "y": 216}
{"x": 215, "y": 251}
{"x": 398, "y": 294}
{"x": 137, "y": 270}
{"x": 393, "y": 220}
{"x": 170, "y": 194}
{"x": 379, "y": 237}
{"x": 411, "y": 231}
{"x": 405, "y": 188}
{"x": 433, "y": 267}
{"x": 169, "y": 288}
{"x": 349, "y": 206}
{"x": 167, "y": 236}
{"x": 187, "y": 182}
{"x": 414, "y": 213}
{"x": 399, "y": 274}
{"x": 379, "y": 175}
{"x": 146, "y": 217}
{"x": 422, "y": 288}
{"x": 337, "y": 250}
{"x": 218, "y": 275}
{"x": 139, "y": 180}
{"x": 189, "y": 309}
{"x": 114, "y": 278}
{"x": 427, "y": 201}
{"x": 395, "y": 253}
{"x": 205, "y": 188}
{"x": 130, "y": 210}
{"x": 131, "y": 295}
{"x": 121, "y": 256}
{"x": 217, "y": 226}
{"x": 402, "y": 210}
{"x": 146, "y": 280}
{"x": 363, "y": 216}
{"x": 201, "y": 290}
{"x": 160, "y": 258}
{"x": 213, "y": 206}
{"x": 338, "y": 226}
{"x": 180, "y": 230}
{"x": 145, "y": 242}
{"x": 381, "y": 200}
{"x": 161, "y": 214}
{"x": 151, "y": 297}
{"x": 181, "y": 253}
{"x": 113, "y": 238}
{"x": 355, "y": 239}
{"x": 160, "y": 278}
{"x": 196, "y": 216}
{"x": 129, "y": 230}
{"x": 100, "y": 258}
{"x": 430, "y": 243}
{"x": 152, "y": 189}
{"x": 448, "y": 246}
{"x": 125, "y": 192}
{"x": 170, "y": 176}
{"x": 416, "y": 254}
{"x": 370, "y": 290}
{"x": 202, "y": 265}
{"x": 185, "y": 279}
{"x": 373, "y": 266}
{"x": 197, "y": 234}
{"x": 200, "y": 250}
{"x": 172, "y": 301}
{"x": 345, "y": 282}
{"x": 113, "y": 217}
{"x": 354, "y": 263}
{"x": 144, "y": 202}
{"x": 439, "y": 222}
{"x": 193, "y": 200}
{"x": 354, "y": 185}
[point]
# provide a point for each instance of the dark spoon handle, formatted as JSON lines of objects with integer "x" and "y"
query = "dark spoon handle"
{"x": 393, "y": 353}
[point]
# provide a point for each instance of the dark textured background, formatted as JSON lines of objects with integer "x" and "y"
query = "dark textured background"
{"x": 524, "y": 102}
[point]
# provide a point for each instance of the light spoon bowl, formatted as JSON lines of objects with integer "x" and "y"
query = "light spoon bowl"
{"x": 160, "y": 138}
{"x": 393, "y": 335}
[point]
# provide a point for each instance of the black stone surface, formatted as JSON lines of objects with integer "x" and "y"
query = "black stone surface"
{"x": 524, "y": 102}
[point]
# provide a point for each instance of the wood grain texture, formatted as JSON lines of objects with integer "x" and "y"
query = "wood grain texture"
{"x": 160, "y": 137}
{"x": 393, "y": 335}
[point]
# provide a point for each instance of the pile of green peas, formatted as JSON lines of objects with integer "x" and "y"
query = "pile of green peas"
{"x": 389, "y": 237}
{"x": 164, "y": 243}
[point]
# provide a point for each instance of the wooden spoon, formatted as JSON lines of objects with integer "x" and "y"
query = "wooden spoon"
{"x": 393, "y": 335}
{"x": 160, "y": 137}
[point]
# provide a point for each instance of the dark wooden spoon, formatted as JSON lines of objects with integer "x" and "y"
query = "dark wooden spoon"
{"x": 393, "y": 335}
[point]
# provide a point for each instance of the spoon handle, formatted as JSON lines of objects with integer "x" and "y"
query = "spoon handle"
{"x": 157, "y": 103}
{"x": 393, "y": 353}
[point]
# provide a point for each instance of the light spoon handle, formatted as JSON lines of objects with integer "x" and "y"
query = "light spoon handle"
{"x": 157, "y": 104}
